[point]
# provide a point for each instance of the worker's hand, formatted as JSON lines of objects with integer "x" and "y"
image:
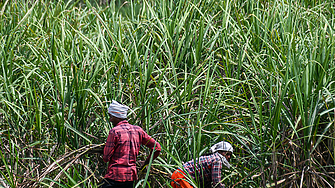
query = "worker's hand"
{"x": 143, "y": 164}
{"x": 140, "y": 165}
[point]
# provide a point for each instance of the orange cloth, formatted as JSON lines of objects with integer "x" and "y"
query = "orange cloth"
{"x": 179, "y": 177}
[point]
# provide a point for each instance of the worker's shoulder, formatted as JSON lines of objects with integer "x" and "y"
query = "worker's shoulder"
{"x": 126, "y": 126}
{"x": 136, "y": 127}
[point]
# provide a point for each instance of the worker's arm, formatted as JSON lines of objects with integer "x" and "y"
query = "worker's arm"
{"x": 156, "y": 153}
{"x": 216, "y": 174}
{"x": 153, "y": 145}
{"x": 110, "y": 146}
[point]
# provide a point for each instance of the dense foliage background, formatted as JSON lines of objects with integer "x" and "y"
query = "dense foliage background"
{"x": 256, "y": 73}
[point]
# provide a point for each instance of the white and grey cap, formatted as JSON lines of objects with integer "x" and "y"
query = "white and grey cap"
{"x": 118, "y": 110}
{"x": 221, "y": 146}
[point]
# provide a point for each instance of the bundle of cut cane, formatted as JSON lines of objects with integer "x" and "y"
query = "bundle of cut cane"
{"x": 64, "y": 162}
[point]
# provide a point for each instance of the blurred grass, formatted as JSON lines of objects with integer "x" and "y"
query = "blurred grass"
{"x": 259, "y": 74}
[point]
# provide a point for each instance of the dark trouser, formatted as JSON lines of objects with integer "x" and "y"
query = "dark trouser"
{"x": 108, "y": 183}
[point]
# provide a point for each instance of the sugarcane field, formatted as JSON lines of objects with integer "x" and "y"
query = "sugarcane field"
{"x": 167, "y": 94}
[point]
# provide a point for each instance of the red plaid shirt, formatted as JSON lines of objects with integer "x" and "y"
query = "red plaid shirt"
{"x": 208, "y": 170}
{"x": 121, "y": 149}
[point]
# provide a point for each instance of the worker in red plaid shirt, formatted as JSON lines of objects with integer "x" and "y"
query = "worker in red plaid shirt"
{"x": 206, "y": 169}
{"x": 122, "y": 147}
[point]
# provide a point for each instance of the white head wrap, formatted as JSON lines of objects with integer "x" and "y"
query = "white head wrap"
{"x": 222, "y": 146}
{"x": 118, "y": 110}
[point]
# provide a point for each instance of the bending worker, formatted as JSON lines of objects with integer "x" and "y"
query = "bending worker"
{"x": 207, "y": 169}
{"x": 122, "y": 147}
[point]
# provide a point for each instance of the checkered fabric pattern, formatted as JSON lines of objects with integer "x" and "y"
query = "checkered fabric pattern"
{"x": 121, "y": 149}
{"x": 207, "y": 169}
